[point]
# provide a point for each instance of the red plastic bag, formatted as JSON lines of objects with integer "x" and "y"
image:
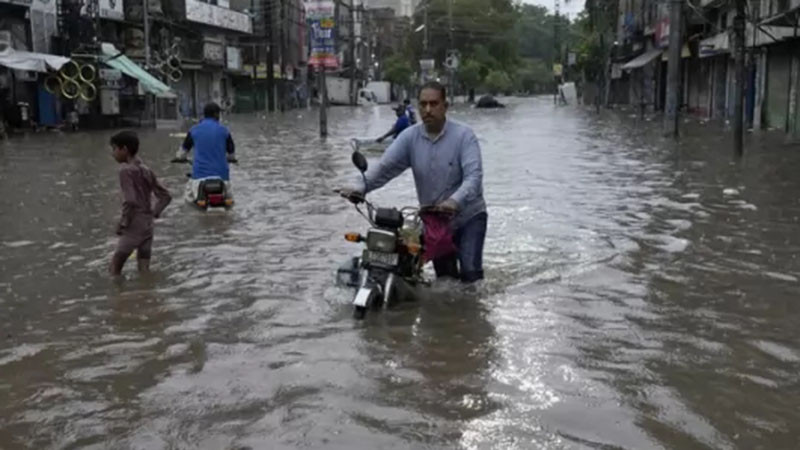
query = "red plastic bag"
{"x": 438, "y": 234}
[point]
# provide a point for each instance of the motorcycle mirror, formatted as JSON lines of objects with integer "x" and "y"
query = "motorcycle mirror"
{"x": 359, "y": 161}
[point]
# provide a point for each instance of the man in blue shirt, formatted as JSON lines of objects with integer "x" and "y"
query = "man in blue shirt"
{"x": 446, "y": 160}
{"x": 213, "y": 146}
{"x": 213, "y": 150}
{"x": 399, "y": 125}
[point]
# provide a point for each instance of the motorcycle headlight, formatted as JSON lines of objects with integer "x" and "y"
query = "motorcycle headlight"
{"x": 381, "y": 241}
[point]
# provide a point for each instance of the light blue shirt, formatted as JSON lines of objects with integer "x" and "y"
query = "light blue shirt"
{"x": 447, "y": 167}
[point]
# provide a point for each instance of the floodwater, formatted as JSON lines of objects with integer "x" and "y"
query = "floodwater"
{"x": 638, "y": 296}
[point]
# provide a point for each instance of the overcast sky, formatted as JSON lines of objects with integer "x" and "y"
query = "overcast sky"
{"x": 573, "y": 7}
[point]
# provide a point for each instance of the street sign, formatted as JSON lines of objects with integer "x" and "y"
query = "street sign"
{"x": 452, "y": 59}
{"x": 571, "y": 59}
{"x": 426, "y": 64}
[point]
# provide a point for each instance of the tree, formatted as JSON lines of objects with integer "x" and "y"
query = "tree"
{"x": 470, "y": 75}
{"x": 534, "y": 77}
{"x": 595, "y": 27}
{"x": 476, "y": 24}
{"x": 398, "y": 70}
{"x": 498, "y": 35}
{"x": 534, "y": 31}
{"x": 498, "y": 82}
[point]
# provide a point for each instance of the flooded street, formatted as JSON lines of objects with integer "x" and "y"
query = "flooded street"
{"x": 637, "y": 296}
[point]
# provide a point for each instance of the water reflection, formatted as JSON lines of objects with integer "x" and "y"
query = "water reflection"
{"x": 433, "y": 357}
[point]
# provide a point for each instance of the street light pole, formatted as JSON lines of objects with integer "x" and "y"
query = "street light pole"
{"x": 148, "y": 98}
{"x": 323, "y": 101}
{"x": 352, "y": 54}
{"x": 452, "y": 44}
{"x": 738, "y": 99}
{"x": 673, "y": 69}
{"x": 425, "y": 31}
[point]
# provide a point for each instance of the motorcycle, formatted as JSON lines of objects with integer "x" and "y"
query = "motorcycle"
{"x": 393, "y": 253}
{"x": 209, "y": 192}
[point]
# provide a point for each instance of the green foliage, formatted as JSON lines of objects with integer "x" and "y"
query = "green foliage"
{"x": 470, "y": 73}
{"x": 594, "y": 29}
{"x": 535, "y": 76}
{"x": 397, "y": 70}
{"x": 498, "y": 82}
{"x": 510, "y": 38}
{"x": 481, "y": 29}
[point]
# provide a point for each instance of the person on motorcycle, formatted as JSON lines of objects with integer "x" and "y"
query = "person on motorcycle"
{"x": 412, "y": 117}
{"x": 446, "y": 160}
{"x": 213, "y": 150}
{"x": 399, "y": 125}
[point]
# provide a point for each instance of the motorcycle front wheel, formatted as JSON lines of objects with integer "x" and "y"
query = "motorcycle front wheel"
{"x": 359, "y": 312}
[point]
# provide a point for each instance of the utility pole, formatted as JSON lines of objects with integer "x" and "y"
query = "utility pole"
{"x": 425, "y": 31}
{"x": 283, "y": 51}
{"x": 270, "y": 58}
{"x": 602, "y": 95}
{"x": 352, "y": 49}
{"x": 148, "y": 98}
{"x": 452, "y": 48}
{"x": 674, "y": 69}
{"x": 738, "y": 98}
{"x": 557, "y": 48}
{"x": 323, "y": 101}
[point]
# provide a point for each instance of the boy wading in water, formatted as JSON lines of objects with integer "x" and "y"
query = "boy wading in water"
{"x": 139, "y": 185}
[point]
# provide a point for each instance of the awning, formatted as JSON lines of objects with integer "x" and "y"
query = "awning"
{"x": 642, "y": 59}
{"x": 34, "y": 62}
{"x": 715, "y": 45}
{"x": 113, "y": 57}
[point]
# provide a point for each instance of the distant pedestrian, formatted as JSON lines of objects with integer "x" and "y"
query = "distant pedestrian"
{"x": 412, "y": 117}
{"x": 139, "y": 185}
{"x": 399, "y": 125}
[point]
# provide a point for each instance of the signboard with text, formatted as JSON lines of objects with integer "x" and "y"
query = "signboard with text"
{"x": 234, "y": 58}
{"x": 206, "y": 13}
{"x": 107, "y": 9}
{"x": 320, "y": 16}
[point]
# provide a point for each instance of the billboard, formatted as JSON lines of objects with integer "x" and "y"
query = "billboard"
{"x": 320, "y": 17}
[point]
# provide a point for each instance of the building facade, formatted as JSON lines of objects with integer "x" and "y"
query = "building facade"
{"x": 200, "y": 51}
{"x": 772, "y": 80}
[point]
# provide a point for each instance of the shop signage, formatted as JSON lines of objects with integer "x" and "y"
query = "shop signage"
{"x": 234, "y": 58}
{"x": 319, "y": 14}
{"x": 214, "y": 52}
{"x": 197, "y": 11}
{"x": 107, "y": 9}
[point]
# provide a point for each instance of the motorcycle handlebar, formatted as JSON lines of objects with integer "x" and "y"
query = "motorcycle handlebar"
{"x": 352, "y": 196}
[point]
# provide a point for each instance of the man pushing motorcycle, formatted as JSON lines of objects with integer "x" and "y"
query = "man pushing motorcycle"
{"x": 213, "y": 150}
{"x": 445, "y": 158}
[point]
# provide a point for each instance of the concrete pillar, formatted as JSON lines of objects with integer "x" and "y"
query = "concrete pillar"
{"x": 761, "y": 85}
{"x": 195, "y": 99}
{"x": 794, "y": 74}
